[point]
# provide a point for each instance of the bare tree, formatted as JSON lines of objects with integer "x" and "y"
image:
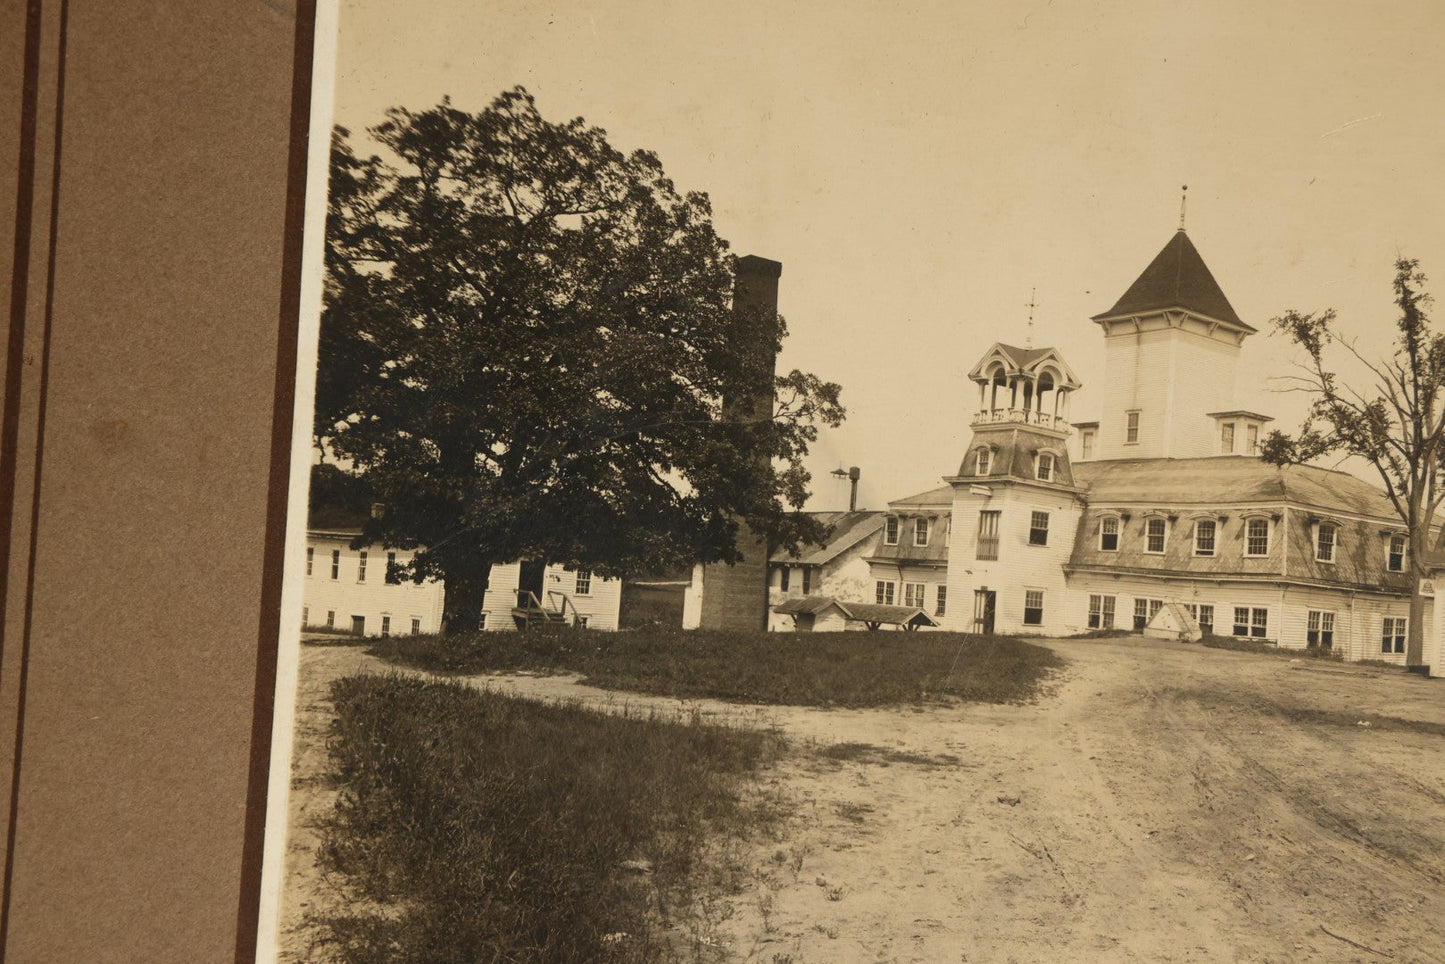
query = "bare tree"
{"x": 1396, "y": 424}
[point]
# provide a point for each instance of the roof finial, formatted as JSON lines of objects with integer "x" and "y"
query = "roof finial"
{"x": 1029, "y": 338}
{"x": 1183, "y": 196}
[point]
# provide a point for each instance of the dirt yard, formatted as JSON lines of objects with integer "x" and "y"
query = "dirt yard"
{"x": 1164, "y": 802}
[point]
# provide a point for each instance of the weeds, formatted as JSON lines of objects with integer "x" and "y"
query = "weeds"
{"x": 475, "y": 827}
{"x": 798, "y": 669}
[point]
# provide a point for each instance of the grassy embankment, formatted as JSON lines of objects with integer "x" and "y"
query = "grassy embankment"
{"x": 796, "y": 669}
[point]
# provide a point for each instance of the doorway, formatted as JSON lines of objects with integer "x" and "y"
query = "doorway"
{"x": 984, "y": 604}
{"x": 531, "y": 579}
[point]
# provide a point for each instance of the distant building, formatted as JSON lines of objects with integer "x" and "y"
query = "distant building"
{"x": 349, "y": 590}
{"x": 1159, "y": 513}
{"x": 837, "y": 568}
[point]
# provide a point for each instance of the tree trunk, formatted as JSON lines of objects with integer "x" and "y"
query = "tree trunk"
{"x": 465, "y": 583}
{"x": 1415, "y": 629}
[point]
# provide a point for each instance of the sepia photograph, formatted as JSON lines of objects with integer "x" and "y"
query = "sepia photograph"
{"x": 865, "y": 482}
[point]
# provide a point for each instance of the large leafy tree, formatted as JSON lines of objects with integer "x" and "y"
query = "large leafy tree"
{"x": 1396, "y": 423}
{"x": 527, "y": 346}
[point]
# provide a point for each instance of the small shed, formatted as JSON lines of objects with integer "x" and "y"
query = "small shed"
{"x": 1173, "y": 621}
{"x": 821, "y": 613}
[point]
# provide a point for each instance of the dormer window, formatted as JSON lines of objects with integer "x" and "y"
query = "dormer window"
{"x": 1326, "y": 538}
{"x": 1109, "y": 534}
{"x": 1226, "y": 438}
{"x": 984, "y": 461}
{"x": 890, "y": 531}
{"x": 920, "y": 532}
{"x": 1045, "y": 470}
{"x": 1251, "y": 439}
{"x": 1256, "y": 537}
{"x": 1204, "y": 532}
{"x": 1395, "y": 559}
{"x": 1154, "y": 533}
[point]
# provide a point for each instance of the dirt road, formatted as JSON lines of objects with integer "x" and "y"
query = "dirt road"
{"x": 1164, "y": 803}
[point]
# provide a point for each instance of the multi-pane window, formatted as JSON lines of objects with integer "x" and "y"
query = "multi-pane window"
{"x": 415, "y": 626}
{"x": 1392, "y": 635}
{"x": 1039, "y": 529}
{"x": 392, "y": 578}
{"x": 890, "y": 531}
{"x": 1033, "y": 607}
{"x": 984, "y": 461}
{"x": 942, "y": 608}
{"x": 920, "y": 532}
{"x": 1144, "y": 610}
{"x": 883, "y": 593}
{"x": 330, "y": 619}
{"x": 386, "y": 625}
{"x": 1251, "y": 621}
{"x": 1396, "y": 559}
{"x": 1046, "y": 467}
{"x": 807, "y": 580}
{"x": 1154, "y": 536}
{"x": 1251, "y": 439}
{"x": 581, "y": 621}
{"x": 1204, "y": 531}
{"x": 310, "y": 554}
{"x": 1226, "y": 438}
{"x": 1325, "y": 542}
{"x": 913, "y": 594}
{"x": 1101, "y": 612}
{"x": 1320, "y": 629}
{"x": 1131, "y": 428}
{"x": 1109, "y": 533}
{"x": 361, "y": 567}
{"x": 988, "y": 534}
{"x": 1086, "y": 444}
{"x": 584, "y": 582}
{"x": 1256, "y": 537}
{"x": 1203, "y": 614}
{"x": 784, "y": 577}
{"x": 335, "y": 563}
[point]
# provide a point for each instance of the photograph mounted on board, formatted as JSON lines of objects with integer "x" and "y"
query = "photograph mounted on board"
{"x": 621, "y": 639}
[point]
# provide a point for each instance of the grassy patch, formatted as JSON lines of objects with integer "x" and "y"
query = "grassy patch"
{"x": 798, "y": 669}
{"x": 475, "y": 827}
{"x": 1240, "y": 644}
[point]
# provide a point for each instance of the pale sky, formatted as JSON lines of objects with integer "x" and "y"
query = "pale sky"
{"x": 919, "y": 168}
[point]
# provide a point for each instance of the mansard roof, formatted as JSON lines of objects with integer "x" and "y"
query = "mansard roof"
{"x": 1177, "y": 278}
{"x": 941, "y": 496}
{"x": 1230, "y": 480}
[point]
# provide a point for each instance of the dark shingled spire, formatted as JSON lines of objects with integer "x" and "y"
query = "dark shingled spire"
{"x": 1177, "y": 278}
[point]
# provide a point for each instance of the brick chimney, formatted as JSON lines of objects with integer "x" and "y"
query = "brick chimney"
{"x": 736, "y": 596}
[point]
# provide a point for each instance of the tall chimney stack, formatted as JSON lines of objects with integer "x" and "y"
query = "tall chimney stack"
{"x": 736, "y": 596}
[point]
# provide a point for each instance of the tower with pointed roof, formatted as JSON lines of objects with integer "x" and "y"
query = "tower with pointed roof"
{"x": 1172, "y": 346}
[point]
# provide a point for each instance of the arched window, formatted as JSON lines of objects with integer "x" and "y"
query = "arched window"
{"x": 1045, "y": 469}
{"x": 983, "y": 461}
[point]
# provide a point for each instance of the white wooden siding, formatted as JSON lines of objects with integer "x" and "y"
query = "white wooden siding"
{"x": 373, "y": 599}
